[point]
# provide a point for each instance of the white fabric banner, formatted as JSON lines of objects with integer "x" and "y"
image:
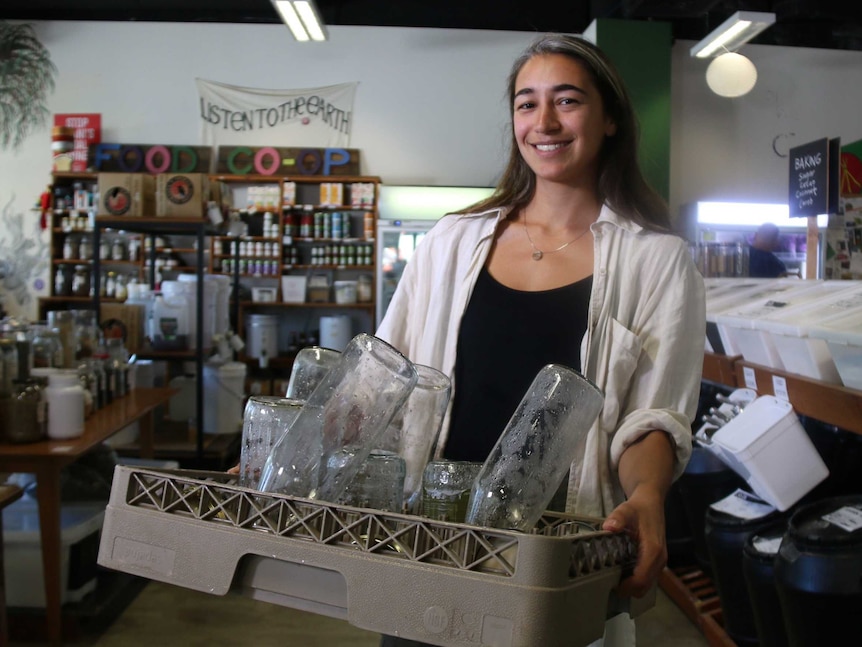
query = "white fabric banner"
{"x": 311, "y": 117}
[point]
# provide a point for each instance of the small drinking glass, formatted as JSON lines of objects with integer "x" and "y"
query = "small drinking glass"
{"x": 310, "y": 366}
{"x": 379, "y": 484}
{"x": 264, "y": 419}
{"x": 414, "y": 430}
{"x": 446, "y": 489}
{"x": 341, "y": 422}
{"x": 545, "y": 435}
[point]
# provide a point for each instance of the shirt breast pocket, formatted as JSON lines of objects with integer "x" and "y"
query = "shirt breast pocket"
{"x": 622, "y": 351}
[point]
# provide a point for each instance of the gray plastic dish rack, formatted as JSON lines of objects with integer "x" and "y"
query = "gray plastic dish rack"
{"x": 442, "y": 583}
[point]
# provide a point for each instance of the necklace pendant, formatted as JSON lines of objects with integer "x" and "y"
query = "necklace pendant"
{"x": 537, "y": 255}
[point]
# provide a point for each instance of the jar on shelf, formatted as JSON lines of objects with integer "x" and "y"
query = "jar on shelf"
{"x": 104, "y": 249}
{"x": 118, "y": 249}
{"x": 62, "y": 282}
{"x": 46, "y": 347}
{"x": 81, "y": 281}
{"x": 109, "y": 287}
{"x": 121, "y": 287}
{"x": 69, "y": 248}
{"x": 85, "y": 248}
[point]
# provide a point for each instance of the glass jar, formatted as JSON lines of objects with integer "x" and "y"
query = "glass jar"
{"x": 46, "y": 347}
{"x": 118, "y": 249}
{"x": 24, "y": 413}
{"x": 62, "y": 282}
{"x": 90, "y": 381}
{"x": 104, "y": 249}
{"x": 120, "y": 287}
{"x": 68, "y": 248}
{"x": 85, "y": 248}
{"x": 81, "y": 281}
{"x": 110, "y": 285}
{"x": 8, "y": 366}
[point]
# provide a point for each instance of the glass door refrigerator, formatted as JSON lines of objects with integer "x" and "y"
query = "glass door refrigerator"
{"x": 406, "y": 214}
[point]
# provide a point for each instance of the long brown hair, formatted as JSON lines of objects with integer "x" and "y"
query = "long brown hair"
{"x": 621, "y": 183}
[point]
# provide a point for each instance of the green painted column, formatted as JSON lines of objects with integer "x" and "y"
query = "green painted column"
{"x": 641, "y": 50}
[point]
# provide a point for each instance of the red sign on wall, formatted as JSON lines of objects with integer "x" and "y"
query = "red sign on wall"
{"x": 88, "y": 131}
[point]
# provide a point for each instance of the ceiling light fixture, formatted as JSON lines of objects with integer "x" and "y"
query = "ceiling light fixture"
{"x": 303, "y": 19}
{"x": 733, "y": 33}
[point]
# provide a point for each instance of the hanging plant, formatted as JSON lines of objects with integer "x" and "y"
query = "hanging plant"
{"x": 26, "y": 78}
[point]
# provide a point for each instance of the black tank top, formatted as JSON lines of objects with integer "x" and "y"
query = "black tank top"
{"x": 505, "y": 337}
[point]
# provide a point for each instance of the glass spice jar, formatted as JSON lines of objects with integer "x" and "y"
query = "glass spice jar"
{"x": 25, "y": 413}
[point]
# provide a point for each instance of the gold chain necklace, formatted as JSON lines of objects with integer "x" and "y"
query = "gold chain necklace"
{"x": 538, "y": 254}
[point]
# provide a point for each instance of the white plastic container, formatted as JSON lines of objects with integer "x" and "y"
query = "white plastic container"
{"x": 345, "y": 292}
{"x": 738, "y": 326}
{"x": 65, "y": 397}
{"x": 791, "y": 330}
{"x": 22, "y": 552}
{"x": 224, "y": 397}
{"x": 767, "y": 446}
{"x": 261, "y": 336}
{"x": 723, "y": 294}
{"x": 335, "y": 331}
{"x": 215, "y": 306}
{"x": 843, "y": 337}
{"x": 169, "y": 325}
{"x": 181, "y": 406}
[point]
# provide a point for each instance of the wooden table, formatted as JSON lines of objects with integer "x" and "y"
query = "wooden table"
{"x": 46, "y": 458}
{"x": 8, "y": 494}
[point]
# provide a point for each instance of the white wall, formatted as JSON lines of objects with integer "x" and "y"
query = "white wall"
{"x": 430, "y": 107}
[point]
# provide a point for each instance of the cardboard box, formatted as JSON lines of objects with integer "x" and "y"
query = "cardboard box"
{"x": 127, "y": 194}
{"x": 182, "y": 195}
{"x": 132, "y": 318}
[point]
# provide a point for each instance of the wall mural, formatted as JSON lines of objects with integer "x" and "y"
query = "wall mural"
{"x": 26, "y": 78}
{"x": 23, "y": 256}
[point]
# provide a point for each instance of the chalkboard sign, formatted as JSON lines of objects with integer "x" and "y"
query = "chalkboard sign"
{"x": 809, "y": 179}
{"x": 814, "y": 185}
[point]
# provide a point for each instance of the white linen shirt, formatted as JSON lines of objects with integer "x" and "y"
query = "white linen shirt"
{"x": 643, "y": 346}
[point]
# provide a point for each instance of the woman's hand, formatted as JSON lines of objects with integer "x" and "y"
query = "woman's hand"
{"x": 642, "y": 518}
{"x": 234, "y": 469}
{"x": 645, "y": 471}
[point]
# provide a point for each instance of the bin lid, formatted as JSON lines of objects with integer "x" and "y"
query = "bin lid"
{"x": 835, "y": 522}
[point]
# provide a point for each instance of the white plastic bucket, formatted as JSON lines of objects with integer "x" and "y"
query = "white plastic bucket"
{"x": 262, "y": 336}
{"x": 215, "y": 306}
{"x": 224, "y": 397}
{"x": 335, "y": 332}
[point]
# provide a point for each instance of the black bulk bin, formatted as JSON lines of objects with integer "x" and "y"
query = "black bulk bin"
{"x": 725, "y": 538}
{"x": 758, "y": 568}
{"x": 818, "y": 572}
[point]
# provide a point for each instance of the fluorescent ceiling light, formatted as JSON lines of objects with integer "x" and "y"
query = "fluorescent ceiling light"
{"x": 404, "y": 202}
{"x": 302, "y": 18}
{"x": 746, "y": 214}
{"x": 733, "y": 33}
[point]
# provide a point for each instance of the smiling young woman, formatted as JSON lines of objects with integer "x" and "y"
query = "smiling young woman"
{"x": 570, "y": 261}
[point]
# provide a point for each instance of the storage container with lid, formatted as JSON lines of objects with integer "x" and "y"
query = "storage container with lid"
{"x": 739, "y": 327}
{"x": 843, "y": 337}
{"x": 818, "y": 573}
{"x": 65, "y": 398}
